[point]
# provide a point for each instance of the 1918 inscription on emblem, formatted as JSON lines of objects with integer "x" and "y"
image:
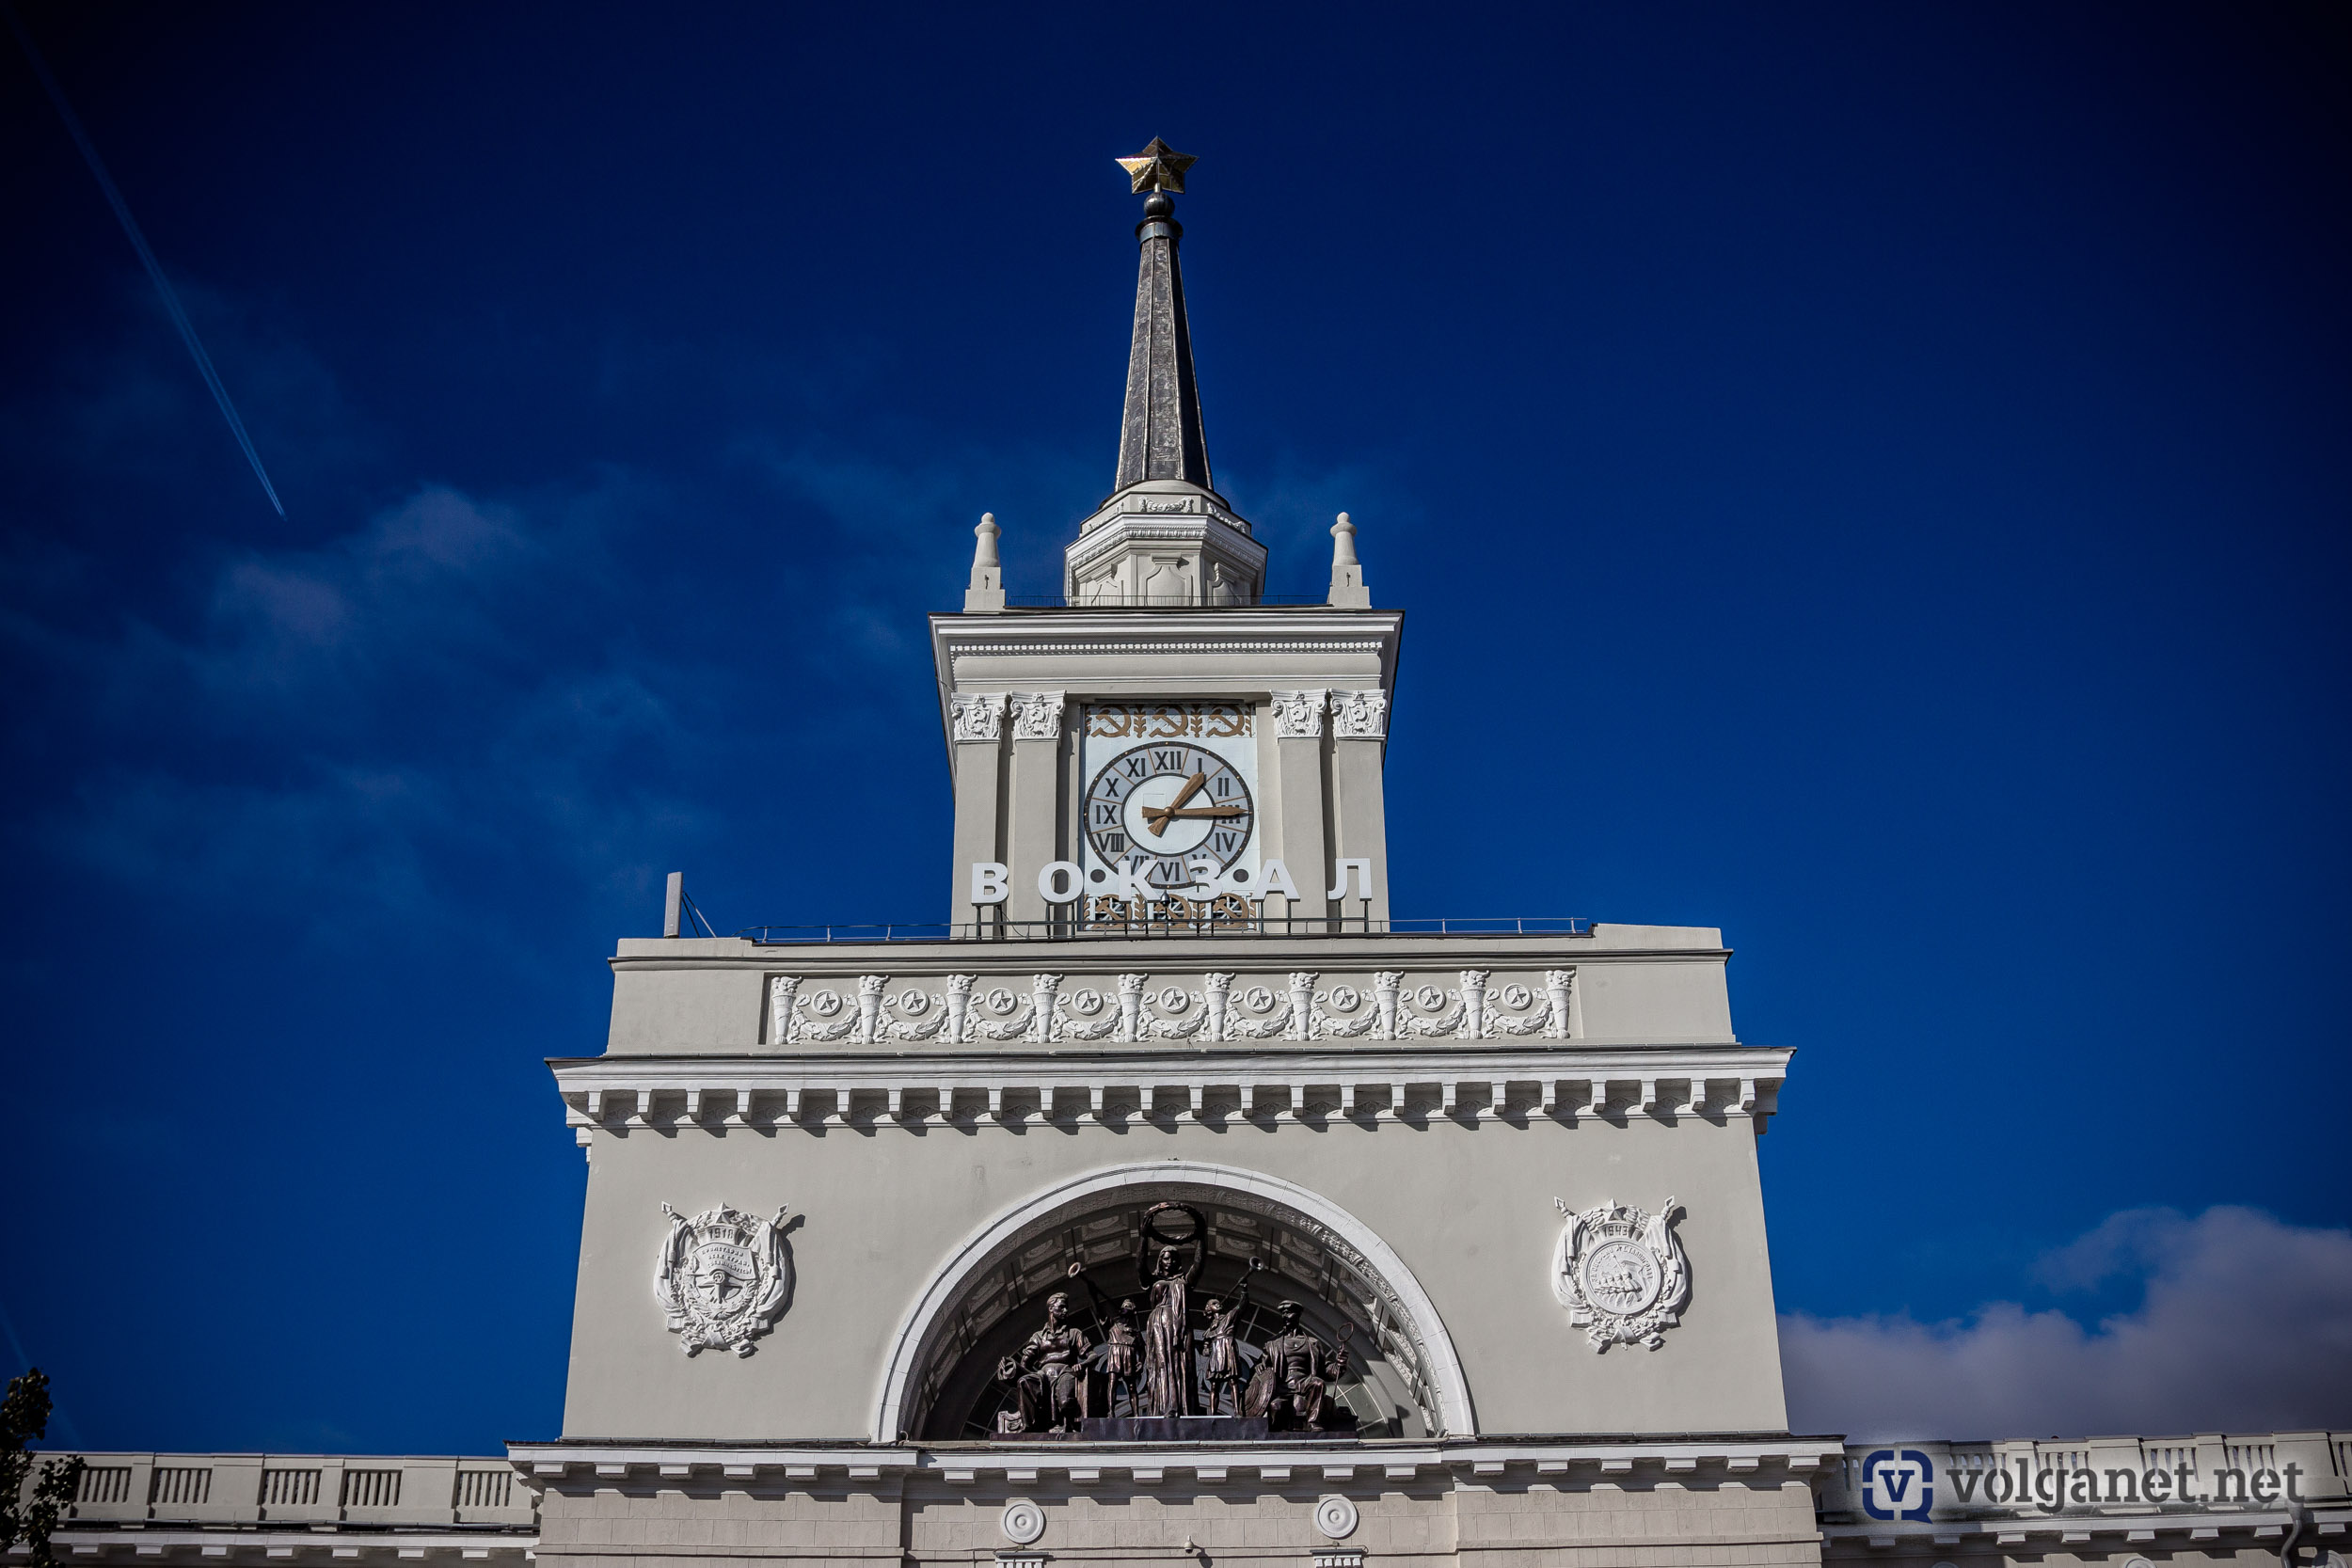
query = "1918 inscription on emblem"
{"x": 1621, "y": 1273}
{"x": 723, "y": 1277}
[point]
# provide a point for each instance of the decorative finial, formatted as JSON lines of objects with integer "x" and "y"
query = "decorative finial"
{"x": 1158, "y": 167}
{"x": 1348, "y": 574}
{"x": 986, "y": 594}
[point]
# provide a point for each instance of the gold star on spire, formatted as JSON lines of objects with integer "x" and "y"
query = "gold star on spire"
{"x": 1158, "y": 167}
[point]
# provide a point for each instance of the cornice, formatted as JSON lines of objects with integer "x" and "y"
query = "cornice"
{"x": 1140, "y": 632}
{"x": 1174, "y": 645}
{"x": 1221, "y": 623}
{"x": 1106, "y": 954}
{"x": 2189, "y": 1528}
{"x": 388, "y": 1543}
{"x": 1239, "y": 1467}
{"x": 1207, "y": 529}
{"x": 1415, "y": 1088}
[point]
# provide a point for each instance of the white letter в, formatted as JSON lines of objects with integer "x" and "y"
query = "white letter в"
{"x": 1363, "y": 879}
{"x": 1058, "y": 881}
{"x": 991, "y": 881}
{"x": 1272, "y": 878}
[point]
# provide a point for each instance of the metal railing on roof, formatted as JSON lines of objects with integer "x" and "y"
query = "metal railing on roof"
{"x": 1267, "y": 601}
{"x": 1256, "y": 925}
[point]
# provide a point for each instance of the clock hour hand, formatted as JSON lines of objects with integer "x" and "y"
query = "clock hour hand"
{"x": 1192, "y": 787}
{"x": 1196, "y": 811}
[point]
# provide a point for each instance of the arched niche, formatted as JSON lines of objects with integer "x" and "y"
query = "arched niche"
{"x": 983, "y": 1297}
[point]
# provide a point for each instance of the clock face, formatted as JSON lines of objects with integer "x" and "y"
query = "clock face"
{"x": 1171, "y": 804}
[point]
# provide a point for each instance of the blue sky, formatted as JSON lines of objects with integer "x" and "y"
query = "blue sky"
{"x": 1871, "y": 478}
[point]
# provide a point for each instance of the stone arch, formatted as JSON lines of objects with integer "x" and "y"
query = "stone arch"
{"x": 956, "y": 1305}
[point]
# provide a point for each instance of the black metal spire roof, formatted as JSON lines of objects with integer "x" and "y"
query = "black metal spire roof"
{"x": 1160, "y": 435}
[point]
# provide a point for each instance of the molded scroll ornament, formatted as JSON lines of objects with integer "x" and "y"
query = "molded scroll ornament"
{"x": 723, "y": 1279}
{"x": 980, "y": 717}
{"x": 1297, "y": 715}
{"x": 1621, "y": 1273}
{"x": 1037, "y": 716}
{"x": 1359, "y": 715}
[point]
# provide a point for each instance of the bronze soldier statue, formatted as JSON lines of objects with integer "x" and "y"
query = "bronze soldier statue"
{"x": 1293, "y": 1376}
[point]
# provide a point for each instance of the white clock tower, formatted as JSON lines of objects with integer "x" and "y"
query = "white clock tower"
{"x": 1165, "y": 749}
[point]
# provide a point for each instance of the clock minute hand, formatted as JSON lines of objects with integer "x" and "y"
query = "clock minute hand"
{"x": 1198, "y": 811}
{"x": 1192, "y": 787}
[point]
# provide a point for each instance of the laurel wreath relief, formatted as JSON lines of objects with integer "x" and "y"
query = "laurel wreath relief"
{"x": 1131, "y": 1009}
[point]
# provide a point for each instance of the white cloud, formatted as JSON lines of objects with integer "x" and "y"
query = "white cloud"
{"x": 2244, "y": 1324}
{"x": 442, "y": 686}
{"x": 418, "y": 581}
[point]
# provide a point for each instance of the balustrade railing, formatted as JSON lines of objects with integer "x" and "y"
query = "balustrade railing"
{"x": 301, "y": 1489}
{"x": 1068, "y": 929}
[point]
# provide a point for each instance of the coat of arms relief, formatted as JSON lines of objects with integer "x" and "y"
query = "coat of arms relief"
{"x": 1621, "y": 1273}
{"x": 723, "y": 1277}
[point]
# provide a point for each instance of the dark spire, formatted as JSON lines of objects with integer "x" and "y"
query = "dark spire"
{"x": 1160, "y": 437}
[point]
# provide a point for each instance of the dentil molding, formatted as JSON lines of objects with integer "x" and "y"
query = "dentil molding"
{"x": 1417, "y": 1086}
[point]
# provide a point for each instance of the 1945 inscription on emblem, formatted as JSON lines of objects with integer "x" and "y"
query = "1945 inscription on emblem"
{"x": 723, "y": 1277}
{"x": 1621, "y": 1273}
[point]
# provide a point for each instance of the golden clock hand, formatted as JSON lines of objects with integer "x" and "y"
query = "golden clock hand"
{"x": 1200, "y": 811}
{"x": 1192, "y": 787}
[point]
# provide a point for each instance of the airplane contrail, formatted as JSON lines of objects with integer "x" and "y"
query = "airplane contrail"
{"x": 138, "y": 243}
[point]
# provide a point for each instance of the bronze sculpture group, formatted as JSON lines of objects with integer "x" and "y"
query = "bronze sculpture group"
{"x": 1060, "y": 1376}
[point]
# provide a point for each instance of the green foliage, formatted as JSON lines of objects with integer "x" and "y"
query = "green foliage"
{"x": 28, "y": 1513}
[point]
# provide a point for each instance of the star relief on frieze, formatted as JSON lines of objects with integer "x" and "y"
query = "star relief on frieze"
{"x": 1158, "y": 167}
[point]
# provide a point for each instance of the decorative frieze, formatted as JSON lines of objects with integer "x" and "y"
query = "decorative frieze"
{"x": 1297, "y": 715}
{"x": 1359, "y": 715}
{"x": 1132, "y": 1009}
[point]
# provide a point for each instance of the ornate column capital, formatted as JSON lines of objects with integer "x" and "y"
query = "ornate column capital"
{"x": 1037, "y": 715}
{"x": 979, "y": 716}
{"x": 1359, "y": 715}
{"x": 1299, "y": 714}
